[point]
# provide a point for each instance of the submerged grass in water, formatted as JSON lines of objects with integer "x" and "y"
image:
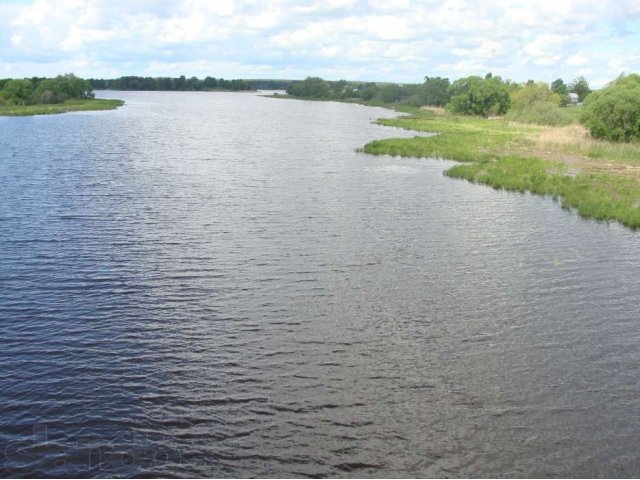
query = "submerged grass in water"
{"x": 68, "y": 106}
{"x": 599, "y": 179}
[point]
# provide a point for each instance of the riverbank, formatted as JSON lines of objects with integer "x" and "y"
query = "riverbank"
{"x": 599, "y": 179}
{"x": 67, "y": 106}
{"x": 374, "y": 102}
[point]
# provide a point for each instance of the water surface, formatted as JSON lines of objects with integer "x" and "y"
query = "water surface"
{"x": 220, "y": 285}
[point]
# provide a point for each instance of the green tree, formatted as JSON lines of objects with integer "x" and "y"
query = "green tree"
{"x": 164, "y": 83}
{"x": 180, "y": 82}
{"x": 48, "y": 91}
{"x": 74, "y": 87}
{"x": 390, "y": 92}
{"x": 537, "y": 103}
{"x": 558, "y": 86}
{"x": 613, "y": 113}
{"x": 61, "y": 88}
{"x": 533, "y": 93}
{"x": 339, "y": 89}
{"x": 434, "y": 91}
{"x": 17, "y": 92}
{"x": 581, "y": 87}
{"x": 192, "y": 84}
{"x": 210, "y": 83}
{"x": 479, "y": 96}
{"x": 310, "y": 87}
{"x": 368, "y": 91}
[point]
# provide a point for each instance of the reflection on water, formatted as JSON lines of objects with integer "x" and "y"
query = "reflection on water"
{"x": 219, "y": 285}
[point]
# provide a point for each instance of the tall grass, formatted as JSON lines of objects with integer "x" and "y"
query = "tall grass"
{"x": 541, "y": 114}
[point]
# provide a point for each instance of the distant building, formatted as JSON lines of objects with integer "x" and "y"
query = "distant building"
{"x": 575, "y": 99}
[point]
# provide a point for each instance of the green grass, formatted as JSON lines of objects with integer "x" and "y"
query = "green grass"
{"x": 68, "y": 106}
{"x": 574, "y": 112}
{"x": 505, "y": 156}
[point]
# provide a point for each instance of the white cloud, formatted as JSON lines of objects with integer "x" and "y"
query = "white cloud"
{"x": 488, "y": 49}
{"x": 545, "y": 45}
{"x": 390, "y": 6}
{"x": 16, "y": 40}
{"x": 77, "y": 38}
{"x": 399, "y": 40}
{"x": 577, "y": 60}
{"x": 463, "y": 68}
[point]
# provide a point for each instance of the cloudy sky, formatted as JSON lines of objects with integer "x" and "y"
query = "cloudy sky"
{"x": 394, "y": 40}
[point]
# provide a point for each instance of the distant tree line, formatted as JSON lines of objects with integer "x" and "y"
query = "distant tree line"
{"x": 434, "y": 91}
{"x": 180, "y": 84}
{"x": 42, "y": 90}
{"x": 533, "y": 102}
{"x": 612, "y": 113}
{"x": 270, "y": 84}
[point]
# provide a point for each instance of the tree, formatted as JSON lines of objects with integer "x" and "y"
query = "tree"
{"x": 533, "y": 93}
{"x": 179, "y": 83}
{"x": 164, "y": 83}
{"x": 390, "y": 92}
{"x": 17, "y": 92}
{"x": 368, "y": 91}
{"x": 537, "y": 103}
{"x": 48, "y": 91}
{"x": 192, "y": 84}
{"x": 477, "y": 96}
{"x": 61, "y": 88}
{"x": 434, "y": 91}
{"x": 613, "y": 113}
{"x": 339, "y": 89}
{"x": 310, "y": 87}
{"x": 581, "y": 87}
{"x": 74, "y": 87}
{"x": 210, "y": 83}
{"x": 558, "y": 86}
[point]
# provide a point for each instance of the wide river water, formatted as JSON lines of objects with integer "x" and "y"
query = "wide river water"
{"x": 217, "y": 284}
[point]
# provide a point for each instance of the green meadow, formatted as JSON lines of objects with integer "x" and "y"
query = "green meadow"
{"x": 74, "y": 105}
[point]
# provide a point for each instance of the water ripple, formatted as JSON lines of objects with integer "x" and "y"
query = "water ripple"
{"x": 232, "y": 298}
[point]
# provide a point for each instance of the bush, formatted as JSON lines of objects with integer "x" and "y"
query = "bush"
{"x": 17, "y": 92}
{"x": 537, "y": 103}
{"x": 541, "y": 113}
{"x": 479, "y": 96}
{"x": 613, "y": 113}
{"x": 533, "y": 93}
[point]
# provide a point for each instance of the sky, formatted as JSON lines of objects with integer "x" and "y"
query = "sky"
{"x": 369, "y": 40}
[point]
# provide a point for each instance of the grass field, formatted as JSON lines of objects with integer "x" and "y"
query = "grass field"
{"x": 599, "y": 179}
{"x": 68, "y": 106}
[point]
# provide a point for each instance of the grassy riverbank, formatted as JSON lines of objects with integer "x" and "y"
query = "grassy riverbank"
{"x": 599, "y": 179}
{"x": 67, "y": 106}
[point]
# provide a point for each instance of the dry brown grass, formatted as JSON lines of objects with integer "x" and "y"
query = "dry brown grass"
{"x": 574, "y": 146}
{"x": 437, "y": 110}
{"x": 570, "y": 135}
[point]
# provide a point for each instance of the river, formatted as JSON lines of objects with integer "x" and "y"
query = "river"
{"x": 219, "y": 284}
